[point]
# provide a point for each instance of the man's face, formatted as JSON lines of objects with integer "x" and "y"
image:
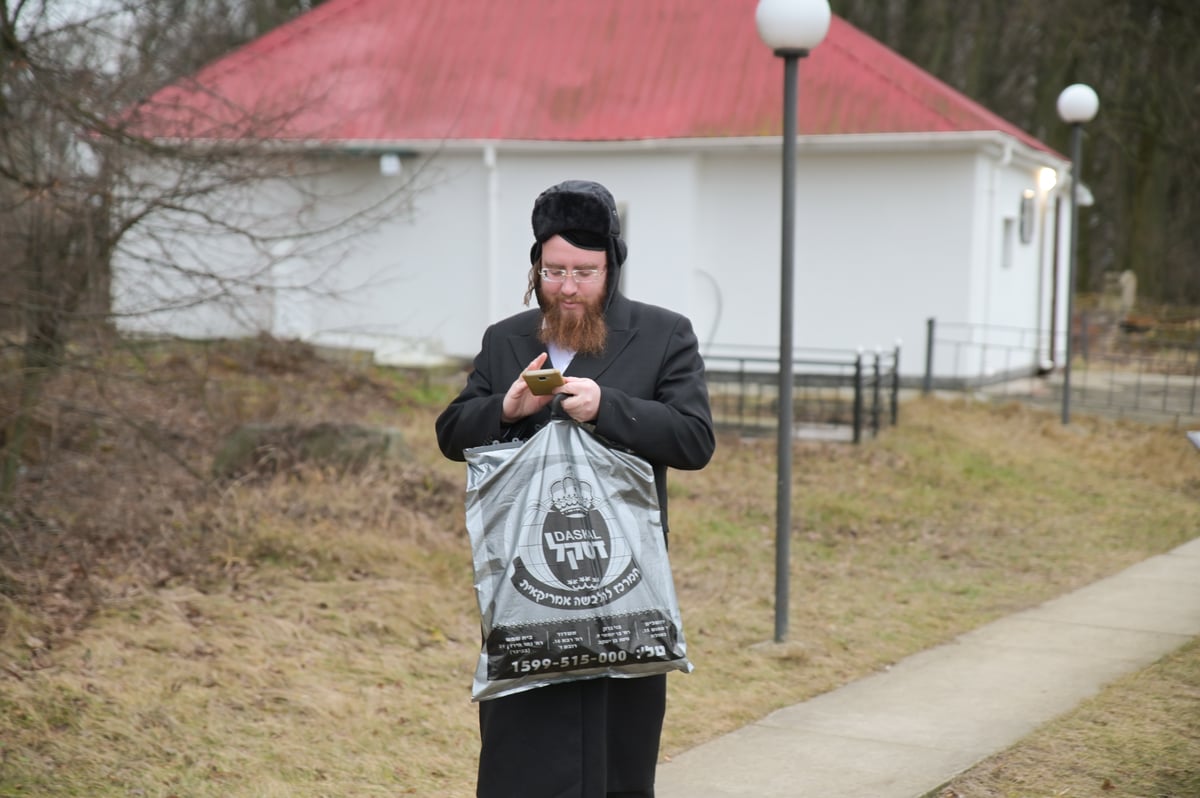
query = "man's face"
{"x": 573, "y": 311}
{"x": 573, "y": 298}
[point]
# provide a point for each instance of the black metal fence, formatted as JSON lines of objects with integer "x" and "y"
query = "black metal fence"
{"x": 837, "y": 395}
{"x": 962, "y": 356}
{"x": 1114, "y": 371}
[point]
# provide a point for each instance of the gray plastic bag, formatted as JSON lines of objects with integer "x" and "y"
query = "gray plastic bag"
{"x": 571, "y": 568}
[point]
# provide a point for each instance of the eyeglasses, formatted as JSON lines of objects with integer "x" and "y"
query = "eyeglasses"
{"x": 585, "y": 275}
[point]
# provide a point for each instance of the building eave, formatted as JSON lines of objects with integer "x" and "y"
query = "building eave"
{"x": 994, "y": 143}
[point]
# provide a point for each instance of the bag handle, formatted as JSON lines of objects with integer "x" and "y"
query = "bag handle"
{"x": 556, "y": 410}
{"x": 558, "y": 414}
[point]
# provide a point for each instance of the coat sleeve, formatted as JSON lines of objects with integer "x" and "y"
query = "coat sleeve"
{"x": 473, "y": 418}
{"x": 674, "y": 428}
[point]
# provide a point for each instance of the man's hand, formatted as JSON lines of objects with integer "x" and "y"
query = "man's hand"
{"x": 581, "y": 398}
{"x": 520, "y": 402}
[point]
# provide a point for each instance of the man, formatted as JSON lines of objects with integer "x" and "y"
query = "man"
{"x": 634, "y": 371}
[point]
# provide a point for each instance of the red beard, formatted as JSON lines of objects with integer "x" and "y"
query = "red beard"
{"x": 584, "y": 333}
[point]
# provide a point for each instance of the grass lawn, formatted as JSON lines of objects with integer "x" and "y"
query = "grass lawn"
{"x": 322, "y": 639}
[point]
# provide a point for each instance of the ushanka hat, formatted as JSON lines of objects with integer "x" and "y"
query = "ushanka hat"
{"x": 585, "y": 214}
{"x": 581, "y": 211}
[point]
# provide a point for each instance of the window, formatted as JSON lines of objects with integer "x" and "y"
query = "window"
{"x": 1027, "y": 216}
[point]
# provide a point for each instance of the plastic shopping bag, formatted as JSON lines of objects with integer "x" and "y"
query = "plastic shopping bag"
{"x": 571, "y": 568}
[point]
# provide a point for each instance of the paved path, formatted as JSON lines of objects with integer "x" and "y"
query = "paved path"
{"x": 905, "y": 732}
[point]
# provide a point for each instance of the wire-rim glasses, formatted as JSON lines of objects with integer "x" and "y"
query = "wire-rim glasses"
{"x": 585, "y": 275}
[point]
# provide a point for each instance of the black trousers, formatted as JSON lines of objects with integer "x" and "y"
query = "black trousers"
{"x": 596, "y": 738}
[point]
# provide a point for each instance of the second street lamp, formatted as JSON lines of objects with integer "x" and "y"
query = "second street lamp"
{"x": 1077, "y": 104}
{"x": 791, "y": 28}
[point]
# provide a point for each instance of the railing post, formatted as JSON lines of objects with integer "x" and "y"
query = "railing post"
{"x": 741, "y": 405}
{"x": 896, "y": 385}
{"x": 930, "y": 326}
{"x": 1195, "y": 375}
{"x": 1084, "y": 343}
{"x": 858, "y": 397}
{"x": 875, "y": 388}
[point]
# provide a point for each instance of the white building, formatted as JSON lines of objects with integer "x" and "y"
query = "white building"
{"x": 912, "y": 200}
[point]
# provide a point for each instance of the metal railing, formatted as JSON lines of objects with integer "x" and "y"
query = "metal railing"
{"x": 837, "y": 395}
{"x": 1113, "y": 371}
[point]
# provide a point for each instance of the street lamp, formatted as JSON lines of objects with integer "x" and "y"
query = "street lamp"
{"x": 1077, "y": 104}
{"x": 791, "y": 28}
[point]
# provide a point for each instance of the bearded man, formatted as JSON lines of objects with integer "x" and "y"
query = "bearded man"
{"x": 634, "y": 372}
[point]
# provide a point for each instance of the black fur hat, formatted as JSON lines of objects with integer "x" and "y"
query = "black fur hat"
{"x": 584, "y": 213}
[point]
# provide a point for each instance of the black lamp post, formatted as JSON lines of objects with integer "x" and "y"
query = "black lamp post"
{"x": 1077, "y": 104}
{"x": 791, "y": 28}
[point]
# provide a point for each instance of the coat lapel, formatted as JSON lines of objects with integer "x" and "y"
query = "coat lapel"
{"x": 594, "y": 365}
{"x": 525, "y": 345}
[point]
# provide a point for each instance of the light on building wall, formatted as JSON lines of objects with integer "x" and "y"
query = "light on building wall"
{"x": 390, "y": 165}
{"x": 1047, "y": 179}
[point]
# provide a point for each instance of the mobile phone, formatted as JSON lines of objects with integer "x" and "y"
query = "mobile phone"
{"x": 542, "y": 381}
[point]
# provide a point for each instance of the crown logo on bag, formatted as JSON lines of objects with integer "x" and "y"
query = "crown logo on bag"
{"x": 571, "y": 496}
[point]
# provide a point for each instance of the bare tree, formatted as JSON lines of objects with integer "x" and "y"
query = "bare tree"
{"x": 86, "y": 176}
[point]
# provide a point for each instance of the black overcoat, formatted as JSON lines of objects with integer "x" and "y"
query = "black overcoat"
{"x": 596, "y": 737}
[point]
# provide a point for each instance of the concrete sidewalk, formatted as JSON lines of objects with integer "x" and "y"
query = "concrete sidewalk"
{"x": 905, "y": 732}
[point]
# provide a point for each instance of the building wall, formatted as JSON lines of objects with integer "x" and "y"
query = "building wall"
{"x": 412, "y": 288}
{"x": 881, "y": 243}
{"x": 884, "y": 241}
{"x": 1010, "y": 299}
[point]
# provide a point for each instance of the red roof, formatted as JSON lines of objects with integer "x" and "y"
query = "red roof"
{"x": 602, "y": 70}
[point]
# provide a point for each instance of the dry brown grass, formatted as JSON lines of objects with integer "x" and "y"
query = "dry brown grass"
{"x": 963, "y": 513}
{"x": 322, "y": 636}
